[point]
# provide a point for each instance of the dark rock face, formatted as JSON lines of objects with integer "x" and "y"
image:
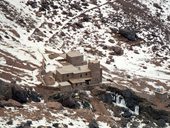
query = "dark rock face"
{"x": 126, "y": 113}
{"x": 22, "y": 95}
{"x": 44, "y": 6}
{"x": 56, "y": 125}
{"x": 33, "y": 4}
{"x": 108, "y": 98}
{"x": 10, "y": 122}
{"x": 19, "y": 94}
{"x": 2, "y": 105}
{"x": 85, "y": 18}
{"x": 76, "y": 6}
{"x": 33, "y": 96}
{"x": 5, "y": 90}
{"x": 160, "y": 117}
{"x": 93, "y": 124}
{"x": 161, "y": 123}
{"x": 131, "y": 99}
{"x": 66, "y": 100}
{"x": 129, "y": 34}
{"x": 69, "y": 102}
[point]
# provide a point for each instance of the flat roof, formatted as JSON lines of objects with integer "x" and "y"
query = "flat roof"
{"x": 81, "y": 69}
{"x": 67, "y": 69}
{"x": 64, "y": 84}
{"x": 94, "y": 61}
{"x": 79, "y": 80}
{"x": 74, "y": 53}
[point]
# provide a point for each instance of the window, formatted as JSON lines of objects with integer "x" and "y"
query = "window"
{"x": 67, "y": 75}
{"x": 86, "y": 74}
{"x": 81, "y": 75}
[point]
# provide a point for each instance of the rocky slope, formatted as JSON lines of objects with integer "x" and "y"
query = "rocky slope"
{"x": 129, "y": 37}
{"x": 97, "y": 106}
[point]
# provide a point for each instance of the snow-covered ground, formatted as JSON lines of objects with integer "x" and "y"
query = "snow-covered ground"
{"x": 58, "y": 33}
{"x": 62, "y": 118}
{"x": 164, "y": 4}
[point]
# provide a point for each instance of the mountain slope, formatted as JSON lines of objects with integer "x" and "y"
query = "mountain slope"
{"x": 29, "y": 35}
{"x": 129, "y": 37}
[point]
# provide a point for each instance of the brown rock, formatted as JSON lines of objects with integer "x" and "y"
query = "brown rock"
{"x": 107, "y": 119}
{"x": 11, "y": 103}
{"x": 108, "y": 62}
{"x": 49, "y": 79}
{"x": 53, "y": 55}
{"x": 98, "y": 91}
{"x": 54, "y": 105}
{"x": 85, "y": 113}
{"x": 118, "y": 50}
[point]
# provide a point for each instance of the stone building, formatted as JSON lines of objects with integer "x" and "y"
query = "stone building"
{"x": 78, "y": 73}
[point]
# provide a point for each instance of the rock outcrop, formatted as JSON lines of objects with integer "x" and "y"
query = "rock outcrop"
{"x": 129, "y": 34}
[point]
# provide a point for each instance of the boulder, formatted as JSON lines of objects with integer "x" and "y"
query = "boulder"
{"x": 56, "y": 125}
{"x": 76, "y": 6}
{"x": 10, "y": 103}
{"x": 168, "y": 18}
{"x": 108, "y": 62}
{"x": 129, "y": 34}
{"x": 28, "y": 123}
{"x": 157, "y": 6}
{"x": 25, "y": 124}
{"x": 54, "y": 105}
{"x": 117, "y": 50}
{"x": 49, "y": 79}
{"x": 70, "y": 102}
{"x": 85, "y": 18}
{"x": 10, "y": 122}
{"x": 33, "y": 4}
{"x": 93, "y": 124}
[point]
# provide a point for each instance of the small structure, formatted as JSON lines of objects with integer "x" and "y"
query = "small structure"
{"x": 74, "y": 58}
{"x": 76, "y": 72}
{"x": 64, "y": 86}
{"x": 161, "y": 94}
